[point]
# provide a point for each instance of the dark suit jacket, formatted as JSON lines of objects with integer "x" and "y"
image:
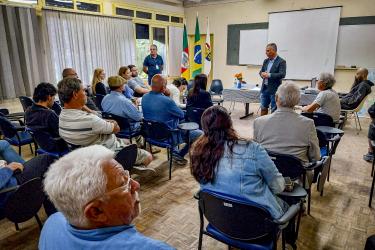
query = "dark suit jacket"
{"x": 278, "y": 71}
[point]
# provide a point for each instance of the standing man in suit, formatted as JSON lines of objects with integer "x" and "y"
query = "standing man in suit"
{"x": 273, "y": 70}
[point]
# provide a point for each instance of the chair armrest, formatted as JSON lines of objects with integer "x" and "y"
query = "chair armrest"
{"x": 292, "y": 212}
{"x": 313, "y": 165}
{"x": 7, "y": 190}
{"x": 335, "y": 138}
{"x": 196, "y": 195}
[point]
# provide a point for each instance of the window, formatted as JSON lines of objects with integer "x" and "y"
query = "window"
{"x": 24, "y": 1}
{"x": 88, "y": 6}
{"x": 175, "y": 19}
{"x": 60, "y": 3}
{"x": 142, "y": 36}
{"x": 164, "y": 18}
{"x": 144, "y": 15}
{"x": 124, "y": 12}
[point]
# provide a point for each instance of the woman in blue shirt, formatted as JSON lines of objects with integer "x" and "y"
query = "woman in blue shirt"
{"x": 222, "y": 162}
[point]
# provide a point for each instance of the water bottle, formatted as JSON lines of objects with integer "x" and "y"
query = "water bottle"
{"x": 238, "y": 84}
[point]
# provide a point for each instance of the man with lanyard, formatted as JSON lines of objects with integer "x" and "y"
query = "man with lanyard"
{"x": 153, "y": 63}
{"x": 273, "y": 70}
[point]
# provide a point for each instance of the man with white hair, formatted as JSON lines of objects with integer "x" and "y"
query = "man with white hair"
{"x": 97, "y": 201}
{"x": 285, "y": 131}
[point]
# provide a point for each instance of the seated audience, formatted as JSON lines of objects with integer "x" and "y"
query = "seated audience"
{"x": 89, "y": 105}
{"x": 359, "y": 90}
{"x": 158, "y": 107}
{"x": 136, "y": 83}
{"x": 285, "y": 131}
{"x": 176, "y": 89}
{"x": 223, "y": 162}
{"x": 97, "y": 84}
{"x": 198, "y": 97}
{"x": 81, "y": 128}
{"x": 97, "y": 202}
{"x": 40, "y": 116}
{"x": 371, "y": 134}
{"x": 125, "y": 73}
{"x": 16, "y": 171}
{"x": 327, "y": 101}
{"x": 116, "y": 103}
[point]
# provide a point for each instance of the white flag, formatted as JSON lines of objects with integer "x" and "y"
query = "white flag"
{"x": 208, "y": 52}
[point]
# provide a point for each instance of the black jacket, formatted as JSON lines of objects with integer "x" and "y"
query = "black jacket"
{"x": 356, "y": 95}
{"x": 278, "y": 72}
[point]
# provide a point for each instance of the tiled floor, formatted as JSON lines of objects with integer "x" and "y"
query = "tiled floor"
{"x": 341, "y": 219}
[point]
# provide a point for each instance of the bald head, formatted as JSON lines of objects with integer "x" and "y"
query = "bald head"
{"x": 361, "y": 75}
{"x": 69, "y": 72}
{"x": 158, "y": 83}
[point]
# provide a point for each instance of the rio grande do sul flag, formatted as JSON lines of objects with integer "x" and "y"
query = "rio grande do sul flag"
{"x": 197, "y": 64}
{"x": 185, "y": 67}
{"x": 208, "y": 52}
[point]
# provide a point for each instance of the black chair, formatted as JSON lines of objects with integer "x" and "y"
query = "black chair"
{"x": 127, "y": 156}
{"x": 239, "y": 223}
{"x": 372, "y": 175}
{"x": 290, "y": 166}
{"x": 126, "y": 130}
{"x": 98, "y": 101}
{"x": 190, "y": 84}
{"x": 158, "y": 134}
{"x": 47, "y": 144}
{"x": 194, "y": 115}
{"x": 24, "y": 202}
{"x": 320, "y": 119}
{"x": 216, "y": 90}
{"x": 16, "y": 136}
{"x": 26, "y": 102}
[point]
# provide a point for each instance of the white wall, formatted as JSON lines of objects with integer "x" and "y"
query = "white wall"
{"x": 223, "y": 13}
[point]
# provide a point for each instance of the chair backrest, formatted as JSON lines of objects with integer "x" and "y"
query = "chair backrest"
{"x": 98, "y": 101}
{"x": 216, "y": 87}
{"x": 288, "y": 165}
{"x": 25, "y": 202}
{"x": 121, "y": 121}
{"x": 127, "y": 156}
{"x": 156, "y": 130}
{"x": 25, "y": 102}
{"x": 194, "y": 114}
{"x": 360, "y": 106}
{"x": 46, "y": 141}
{"x": 320, "y": 119}
{"x": 7, "y": 128}
{"x": 235, "y": 218}
{"x": 190, "y": 84}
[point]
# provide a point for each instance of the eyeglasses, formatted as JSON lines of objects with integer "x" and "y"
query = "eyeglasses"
{"x": 124, "y": 188}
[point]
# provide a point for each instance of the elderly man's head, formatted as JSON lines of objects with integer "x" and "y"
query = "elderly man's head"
{"x": 158, "y": 83}
{"x": 288, "y": 95}
{"x": 92, "y": 189}
{"x": 71, "y": 92}
{"x": 325, "y": 81}
{"x": 69, "y": 72}
{"x": 271, "y": 50}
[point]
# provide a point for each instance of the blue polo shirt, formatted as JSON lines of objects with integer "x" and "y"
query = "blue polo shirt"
{"x": 57, "y": 233}
{"x": 153, "y": 65}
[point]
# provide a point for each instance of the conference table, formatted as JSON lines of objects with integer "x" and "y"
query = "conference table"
{"x": 251, "y": 94}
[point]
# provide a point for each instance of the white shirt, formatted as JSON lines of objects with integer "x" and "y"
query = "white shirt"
{"x": 175, "y": 95}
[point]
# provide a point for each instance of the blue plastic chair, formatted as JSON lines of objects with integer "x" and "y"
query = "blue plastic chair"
{"x": 16, "y": 136}
{"x": 47, "y": 144}
{"x": 239, "y": 223}
{"x": 158, "y": 134}
{"x": 126, "y": 130}
{"x": 194, "y": 115}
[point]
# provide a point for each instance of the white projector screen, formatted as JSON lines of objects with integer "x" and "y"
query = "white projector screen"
{"x": 252, "y": 46}
{"x": 306, "y": 39}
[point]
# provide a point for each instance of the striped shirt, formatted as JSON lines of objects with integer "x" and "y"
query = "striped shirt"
{"x": 81, "y": 128}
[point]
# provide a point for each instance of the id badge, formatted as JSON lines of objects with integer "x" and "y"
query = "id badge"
{"x": 157, "y": 66}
